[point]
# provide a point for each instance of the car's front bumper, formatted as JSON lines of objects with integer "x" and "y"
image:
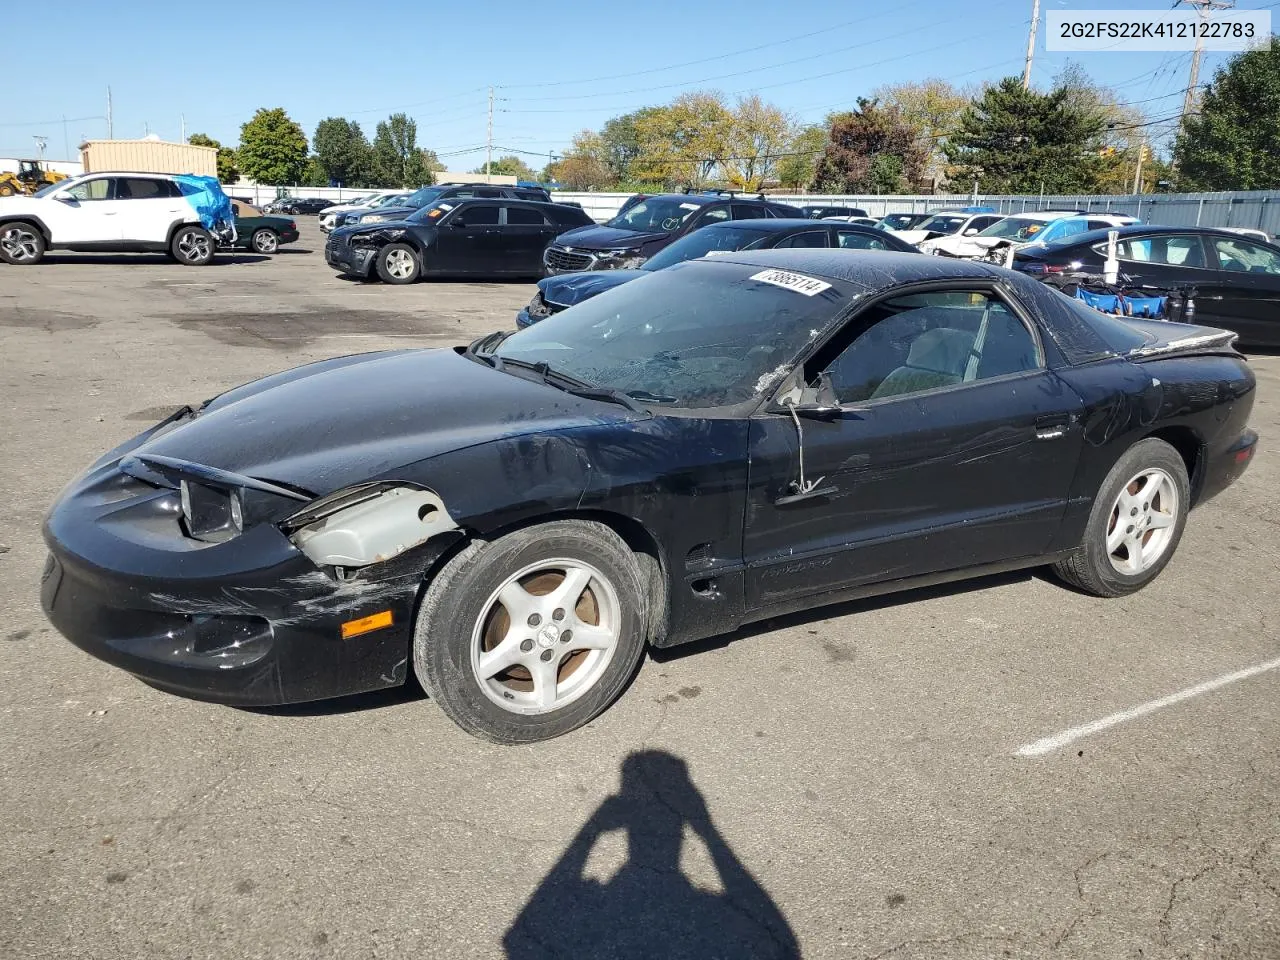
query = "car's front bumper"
{"x": 250, "y": 621}
{"x": 345, "y": 258}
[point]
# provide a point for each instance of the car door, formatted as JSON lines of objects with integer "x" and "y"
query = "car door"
{"x": 85, "y": 213}
{"x": 1243, "y": 294}
{"x": 955, "y": 447}
{"x": 1166, "y": 261}
{"x": 148, "y": 207}
{"x": 468, "y": 240}
{"x": 525, "y": 234}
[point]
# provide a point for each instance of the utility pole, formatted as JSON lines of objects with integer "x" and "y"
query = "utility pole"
{"x": 1031, "y": 45}
{"x": 1203, "y": 7}
{"x": 182, "y": 119}
{"x": 1137, "y": 173}
{"x": 110, "y": 130}
{"x": 488, "y": 161}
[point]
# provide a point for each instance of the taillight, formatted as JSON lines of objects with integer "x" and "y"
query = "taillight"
{"x": 292, "y": 225}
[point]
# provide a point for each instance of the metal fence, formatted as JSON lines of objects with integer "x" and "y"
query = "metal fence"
{"x": 1259, "y": 210}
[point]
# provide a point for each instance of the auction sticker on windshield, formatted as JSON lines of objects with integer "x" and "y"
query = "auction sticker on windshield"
{"x": 798, "y": 282}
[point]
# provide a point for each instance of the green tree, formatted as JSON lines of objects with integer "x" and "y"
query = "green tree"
{"x": 313, "y": 175}
{"x": 796, "y": 169}
{"x": 397, "y": 161}
{"x": 933, "y": 107}
{"x": 758, "y": 134}
{"x": 509, "y": 166}
{"x": 227, "y": 171}
{"x": 683, "y": 143}
{"x": 620, "y": 141}
{"x": 872, "y": 150}
{"x": 342, "y": 150}
{"x": 273, "y": 148}
{"x": 1234, "y": 141}
{"x": 1013, "y": 140}
{"x": 1125, "y": 133}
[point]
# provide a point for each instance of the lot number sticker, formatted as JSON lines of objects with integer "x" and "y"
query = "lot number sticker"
{"x": 798, "y": 282}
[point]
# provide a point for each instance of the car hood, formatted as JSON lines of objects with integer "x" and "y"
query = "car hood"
{"x": 915, "y": 236}
{"x": 328, "y": 425}
{"x": 395, "y": 213}
{"x": 570, "y": 288}
{"x": 606, "y": 238}
{"x": 964, "y": 246}
{"x": 18, "y": 204}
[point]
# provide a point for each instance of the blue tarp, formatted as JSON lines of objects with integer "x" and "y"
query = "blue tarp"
{"x": 206, "y": 196}
{"x": 1123, "y": 305}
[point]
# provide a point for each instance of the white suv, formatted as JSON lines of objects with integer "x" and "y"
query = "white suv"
{"x": 118, "y": 212}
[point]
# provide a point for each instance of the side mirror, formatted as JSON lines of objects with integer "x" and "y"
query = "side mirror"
{"x": 66, "y": 198}
{"x": 816, "y": 411}
{"x": 457, "y": 222}
{"x": 971, "y": 232}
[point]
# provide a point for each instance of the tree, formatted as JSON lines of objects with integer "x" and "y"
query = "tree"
{"x": 872, "y": 150}
{"x": 397, "y": 161}
{"x": 431, "y": 161}
{"x": 933, "y": 107}
{"x": 273, "y": 148}
{"x": 314, "y": 175}
{"x": 620, "y": 141}
{"x": 796, "y": 170}
{"x": 1013, "y": 140}
{"x": 227, "y": 172}
{"x": 1234, "y": 141}
{"x": 343, "y": 151}
{"x": 509, "y": 166}
{"x": 758, "y": 134}
{"x": 1124, "y": 136}
{"x": 583, "y": 166}
{"x": 683, "y": 143}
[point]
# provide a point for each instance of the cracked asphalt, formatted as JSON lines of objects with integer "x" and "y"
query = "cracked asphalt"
{"x": 838, "y": 784}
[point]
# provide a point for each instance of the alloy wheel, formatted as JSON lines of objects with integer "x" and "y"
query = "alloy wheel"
{"x": 400, "y": 264}
{"x": 1142, "y": 522}
{"x": 265, "y": 242}
{"x": 20, "y": 243}
{"x": 546, "y": 636}
{"x": 193, "y": 246}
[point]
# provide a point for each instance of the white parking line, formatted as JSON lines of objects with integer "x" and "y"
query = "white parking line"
{"x": 1049, "y": 744}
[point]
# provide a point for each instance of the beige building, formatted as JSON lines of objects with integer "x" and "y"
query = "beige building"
{"x": 151, "y": 155}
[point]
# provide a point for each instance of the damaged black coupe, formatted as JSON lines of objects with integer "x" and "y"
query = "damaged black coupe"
{"x": 712, "y": 444}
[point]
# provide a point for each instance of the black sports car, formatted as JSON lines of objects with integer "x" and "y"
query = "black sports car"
{"x": 488, "y": 238}
{"x": 1230, "y": 280}
{"x": 564, "y": 290}
{"x": 715, "y": 443}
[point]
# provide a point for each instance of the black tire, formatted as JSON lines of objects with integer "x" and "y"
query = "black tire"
{"x": 265, "y": 241}
{"x": 21, "y": 243}
{"x": 7, "y": 189}
{"x": 1090, "y": 566}
{"x": 398, "y": 263}
{"x": 461, "y": 603}
{"x": 192, "y": 246}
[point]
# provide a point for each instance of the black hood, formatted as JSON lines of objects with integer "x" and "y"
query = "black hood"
{"x": 331, "y": 424}
{"x": 394, "y": 213}
{"x": 356, "y": 228}
{"x": 606, "y": 238}
{"x": 570, "y": 288}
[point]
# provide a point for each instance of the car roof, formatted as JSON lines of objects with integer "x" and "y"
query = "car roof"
{"x": 1147, "y": 229}
{"x": 866, "y": 268}
{"x": 771, "y": 223}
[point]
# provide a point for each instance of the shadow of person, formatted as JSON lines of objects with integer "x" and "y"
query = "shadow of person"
{"x": 649, "y": 908}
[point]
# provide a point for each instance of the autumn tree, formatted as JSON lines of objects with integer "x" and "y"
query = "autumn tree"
{"x": 583, "y": 166}
{"x": 1013, "y": 140}
{"x": 509, "y": 166}
{"x": 342, "y": 151}
{"x": 871, "y": 150}
{"x": 273, "y": 148}
{"x": 933, "y": 108}
{"x": 758, "y": 135}
{"x": 683, "y": 142}
{"x": 1234, "y": 141}
{"x": 227, "y": 171}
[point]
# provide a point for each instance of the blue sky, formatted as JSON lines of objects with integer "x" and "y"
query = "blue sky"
{"x": 556, "y": 69}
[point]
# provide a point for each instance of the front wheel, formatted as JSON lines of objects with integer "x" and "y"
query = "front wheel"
{"x": 265, "y": 241}
{"x": 398, "y": 263}
{"x": 192, "y": 246}
{"x": 533, "y": 635}
{"x": 21, "y": 244}
{"x": 1135, "y": 525}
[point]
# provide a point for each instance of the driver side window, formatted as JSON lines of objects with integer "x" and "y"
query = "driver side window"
{"x": 91, "y": 189}
{"x": 927, "y": 341}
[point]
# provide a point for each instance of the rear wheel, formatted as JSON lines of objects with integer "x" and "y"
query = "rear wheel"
{"x": 7, "y": 189}
{"x": 398, "y": 263}
{"x": 21, "y": 243}
{"x": 192, "y": 246}
{"x": 533, "y": 635}
{"x": 1135, "y": 525}
{"x": 265, "y": 241}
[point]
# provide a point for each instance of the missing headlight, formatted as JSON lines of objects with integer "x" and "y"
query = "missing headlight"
{"x": 367, "y": 524}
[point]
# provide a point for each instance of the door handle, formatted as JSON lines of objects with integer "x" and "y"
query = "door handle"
{"x": 1052, "y": 426}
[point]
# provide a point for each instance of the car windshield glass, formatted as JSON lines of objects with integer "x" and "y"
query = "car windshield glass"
{"x": 943, "y": 224}
{"x": 897, "y": 221}
{"x": 432, "y": 211}
{"x": 703, "y": 333}
{"x": 706, "y": 242}
{"x": 45, "y": 191}
{"x": 1014, "y": 228}
{"x": 656, "y": 213}
{"x": 420, "y": 198}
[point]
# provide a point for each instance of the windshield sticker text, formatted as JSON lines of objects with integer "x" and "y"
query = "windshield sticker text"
{"x": 798, "y": 282}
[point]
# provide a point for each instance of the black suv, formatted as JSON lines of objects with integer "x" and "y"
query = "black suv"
{"x": 445, "y": 191}
{"x": 642, "y": 229}
{"x": 818, "y": 212}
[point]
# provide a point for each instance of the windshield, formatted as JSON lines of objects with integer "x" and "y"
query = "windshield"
{"x": 705, "y": 242}
{"x": 1014, "y": 228}
{"x": 431, "y": 211}
{"x": 704, "y": 333}
{"x": 898, "y": 221}
{"x": 943, "y": 224}
{"x": 45, "y": 191}
{"x": 656, "y": 213}
{"x": 420, "y": 198}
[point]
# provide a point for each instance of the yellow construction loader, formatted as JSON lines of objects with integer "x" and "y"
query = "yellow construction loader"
{"x": 31, "y": 176}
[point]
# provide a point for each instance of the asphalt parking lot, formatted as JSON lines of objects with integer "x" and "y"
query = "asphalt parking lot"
{"x": 849, "y": 782}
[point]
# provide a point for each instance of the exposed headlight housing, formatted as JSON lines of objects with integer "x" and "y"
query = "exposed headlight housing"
{"x": 628, "y": 259}
{"x": 372, "y": 218}
{"x": 367, "y": 524}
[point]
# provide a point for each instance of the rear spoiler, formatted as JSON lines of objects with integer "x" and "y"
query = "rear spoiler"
{"x": 1204, "y": 340}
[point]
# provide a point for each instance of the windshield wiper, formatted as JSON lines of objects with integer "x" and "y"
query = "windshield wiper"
{"x": 579, "y": 388}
